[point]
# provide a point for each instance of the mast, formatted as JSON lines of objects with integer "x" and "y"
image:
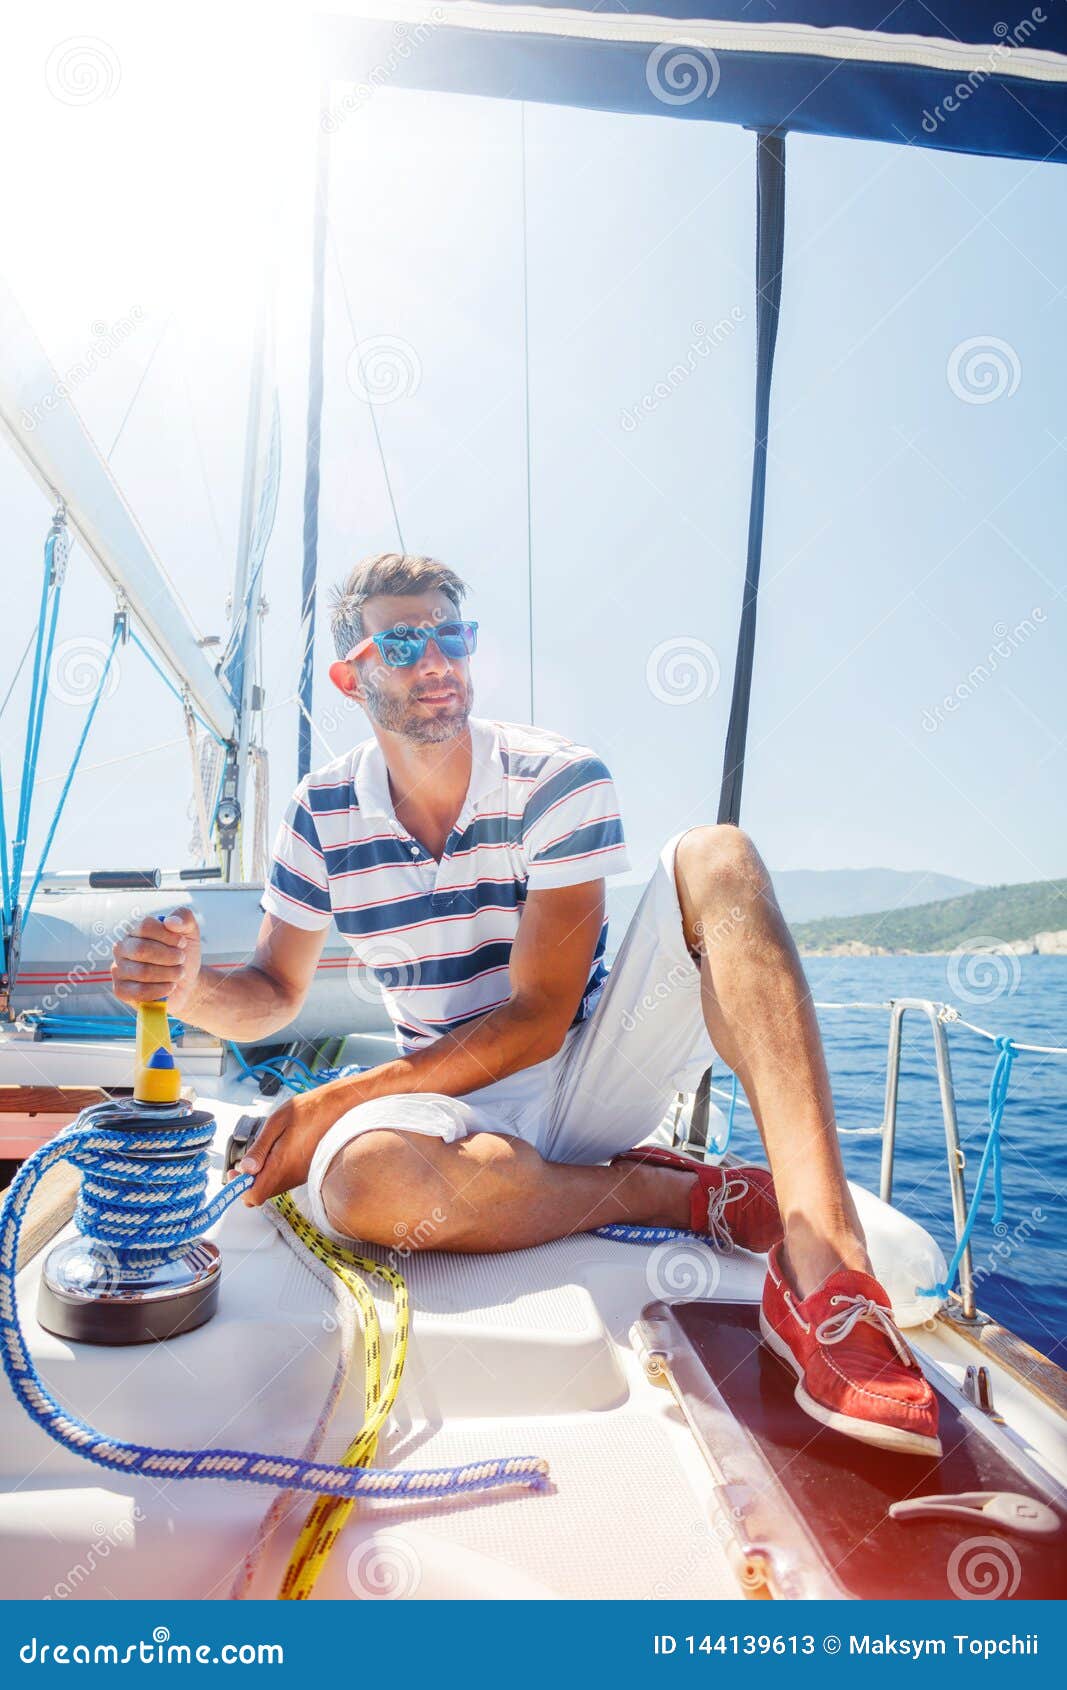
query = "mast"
{"x": 48, "y": 434}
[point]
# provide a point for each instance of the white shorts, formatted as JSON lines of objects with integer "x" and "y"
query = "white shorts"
{"x": 608, "y": 1086}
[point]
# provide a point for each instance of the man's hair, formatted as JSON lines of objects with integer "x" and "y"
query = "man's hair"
{"x": 395, "y": 573}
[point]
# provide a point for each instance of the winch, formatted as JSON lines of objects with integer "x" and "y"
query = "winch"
{"x": 117, "y": 1282}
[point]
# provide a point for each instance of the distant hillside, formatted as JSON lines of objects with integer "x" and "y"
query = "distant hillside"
{"x": 807, "y": 894}
{"x": 1010, "y": 915}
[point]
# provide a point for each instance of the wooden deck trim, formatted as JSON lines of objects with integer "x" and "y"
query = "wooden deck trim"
{"x": 1039, "y": 1375}
{"x": 49, "y": 1100}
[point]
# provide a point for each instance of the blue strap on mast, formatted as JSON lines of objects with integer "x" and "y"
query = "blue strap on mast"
{"x": 313, "y": 444}
{"x": 169, "y": 684}
{"x": 770, "y": 243}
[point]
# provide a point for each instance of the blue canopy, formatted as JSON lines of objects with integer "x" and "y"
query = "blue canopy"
{"x": 971, "y": 76}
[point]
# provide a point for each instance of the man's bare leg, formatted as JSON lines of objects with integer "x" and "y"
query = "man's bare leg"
{"x": 759, "y": 1015}
{"x": 491, "y": 1192}
{"x": 486, "y": 1193}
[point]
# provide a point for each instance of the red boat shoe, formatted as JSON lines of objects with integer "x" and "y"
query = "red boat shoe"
{"x": 854, "y": 1370}
{"x": 733, "y": 1205}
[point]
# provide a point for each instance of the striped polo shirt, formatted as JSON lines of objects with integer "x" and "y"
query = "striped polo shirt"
{"x": 436, "y": 937}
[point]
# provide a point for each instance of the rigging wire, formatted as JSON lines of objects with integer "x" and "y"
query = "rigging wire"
{"x": 370, "y": 402}
{"x": 168, "y": 578}
{"x": 18, "y": 671}
{"x": 167, "y": 682}
{"x": 526, "y": 400}
{"x": 202, "y": 461}
{"x": 137, "y": 390}
{"x": 109, "y": 762}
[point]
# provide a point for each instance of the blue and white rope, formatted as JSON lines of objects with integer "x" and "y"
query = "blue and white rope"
{"x": 145, "y": 1210}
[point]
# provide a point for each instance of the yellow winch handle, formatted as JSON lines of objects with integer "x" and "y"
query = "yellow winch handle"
{"x": 157, "y": 1078}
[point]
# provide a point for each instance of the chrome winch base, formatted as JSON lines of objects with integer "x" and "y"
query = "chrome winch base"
{"x": 88, "y": 1296}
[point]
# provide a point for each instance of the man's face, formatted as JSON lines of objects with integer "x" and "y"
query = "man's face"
{"x": 428, "y": 701}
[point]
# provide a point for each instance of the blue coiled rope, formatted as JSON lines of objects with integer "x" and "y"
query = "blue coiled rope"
{"x": 992, "y": 1158}
{"x": 143, "y": 1211}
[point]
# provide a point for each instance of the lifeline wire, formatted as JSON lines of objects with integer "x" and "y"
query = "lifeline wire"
{"x": 144, "y": 1211}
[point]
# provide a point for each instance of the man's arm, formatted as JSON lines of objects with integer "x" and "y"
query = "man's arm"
{"x": 162, "y": 959}
{"x": 548, "y": 972}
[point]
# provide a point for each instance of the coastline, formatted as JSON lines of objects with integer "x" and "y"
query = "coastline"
{"x": 1053, "y": 943}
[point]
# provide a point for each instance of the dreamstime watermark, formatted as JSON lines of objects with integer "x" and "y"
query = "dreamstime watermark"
{"x": 82, "y": 70}
{"x": 677, "y": 975}
{"x": 983, "y": 969}
{"x": 1006, "y": 642}
{"x": 77, "y": 668}
{"x": 984, "y": 1569}
{"x": 383, "y": 369}
{"x": 682, "y": 670}
{"x": 983, "y": 369}
{"x": 383, "y": 964}
{"x": 700, "y": 347}
{"x": 97, "y": 960}
{"x": 384, "y": 1569}
{"x": 708, "y": 937}
{"x": 1008, "y": 39}
{"x": 340, "y": 712}
{"x": 417, "y": 1237}
{"x": 705, "y": 1541}
{"x": 1009, "y": 1239}
{"x": 104, "y": 1540}
{"x": 681, "y": 975}
{"x": 158, "y": 1650}
{"x": 679, "y": 72}
{"x": 408, "y": 38}
{"x": 683, "y": 1268}
{"x": 105, "y": 340}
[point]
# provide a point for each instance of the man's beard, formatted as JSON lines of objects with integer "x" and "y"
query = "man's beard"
{"x": 403, "y": 716}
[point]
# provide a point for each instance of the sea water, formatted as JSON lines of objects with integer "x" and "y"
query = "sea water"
{"x": 1020, "y": 1268}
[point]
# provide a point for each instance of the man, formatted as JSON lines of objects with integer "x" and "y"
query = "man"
{"x": 465, "y": 860}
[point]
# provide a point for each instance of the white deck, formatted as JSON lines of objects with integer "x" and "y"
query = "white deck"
{"x": 524, "y": 1353}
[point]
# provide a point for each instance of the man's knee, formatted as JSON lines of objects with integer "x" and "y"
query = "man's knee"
{"x": 388, "y": 1188}
{"x": 413, "y": 1192}
{"x": 719, "y": 875}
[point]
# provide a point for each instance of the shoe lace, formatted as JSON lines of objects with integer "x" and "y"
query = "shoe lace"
{"x": 729, "y": 1191}
{"x": 837, "y": 1327}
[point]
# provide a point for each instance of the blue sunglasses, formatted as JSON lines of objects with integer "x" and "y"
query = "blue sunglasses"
{"x": 402, "y": 646}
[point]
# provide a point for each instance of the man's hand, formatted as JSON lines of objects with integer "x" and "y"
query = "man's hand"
{"x": 158, "y": 959}
{"x": 280, "y": 1155}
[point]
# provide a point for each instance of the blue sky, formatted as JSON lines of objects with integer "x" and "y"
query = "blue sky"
{"x": 918, "y": 485}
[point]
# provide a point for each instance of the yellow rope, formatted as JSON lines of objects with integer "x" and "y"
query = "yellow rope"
{"x": 323, "y": 1525}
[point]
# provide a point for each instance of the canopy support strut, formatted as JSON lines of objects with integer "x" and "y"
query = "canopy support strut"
{"x": 770, "y": 237}
{"x": 314, "y": 441}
